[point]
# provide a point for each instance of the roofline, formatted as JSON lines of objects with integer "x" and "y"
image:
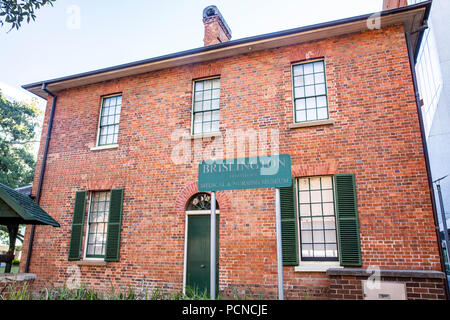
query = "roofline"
{"x": 426, "y": 5}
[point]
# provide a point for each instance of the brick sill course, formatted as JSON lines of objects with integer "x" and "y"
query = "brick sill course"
{"x": 203, "y": 136}
{"x": 109, "y": 146}
{"x": 312, "y": 124}
{"x": 92, "y": 263}
{"x": 427, "y": 274}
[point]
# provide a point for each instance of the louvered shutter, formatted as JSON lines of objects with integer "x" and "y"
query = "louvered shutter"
{"x": 114, "y": 225}
{"x": 77, "y": 225}
{"x": 347, "y": 220}
{"x": 289, "y": 226}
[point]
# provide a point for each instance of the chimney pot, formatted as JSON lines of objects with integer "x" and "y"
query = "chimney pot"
{"x": 216, "y": 28}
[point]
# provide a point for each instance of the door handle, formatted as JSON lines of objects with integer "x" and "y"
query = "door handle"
{"x": 202, "y": 266}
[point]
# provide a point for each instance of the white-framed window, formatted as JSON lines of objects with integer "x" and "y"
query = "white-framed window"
{"x": 310, "y": 91}
{"x": 97, "y": 224}
{"x": 206, "y": 106}
{"x": 317, "y": 219}
{"x": 108, "y": 128}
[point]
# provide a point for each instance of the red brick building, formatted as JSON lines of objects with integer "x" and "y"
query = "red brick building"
{"x": 338, "y": 97}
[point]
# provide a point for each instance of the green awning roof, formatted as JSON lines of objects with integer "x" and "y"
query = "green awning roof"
{"x": 19, "y": 208}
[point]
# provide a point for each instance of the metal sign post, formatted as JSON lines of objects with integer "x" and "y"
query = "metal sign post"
{"x": 213, "y": 246}
{"x": 279, "y": 247}
{"x": 239, "y": 174}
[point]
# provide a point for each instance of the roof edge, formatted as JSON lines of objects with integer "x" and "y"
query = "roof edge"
{"x": 426, "y": 5}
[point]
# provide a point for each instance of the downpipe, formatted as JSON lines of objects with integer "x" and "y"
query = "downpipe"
{"x": 41, "y": 173}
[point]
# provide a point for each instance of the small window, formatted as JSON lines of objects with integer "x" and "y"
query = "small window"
{"x": 200, "y": 201}
{"x": 310, "y": 91}
{"x": 318, "y": 239}
{"x": 97, "y": 224}
{"x": 206, "y": 105}
{"x": 109, "y": 120}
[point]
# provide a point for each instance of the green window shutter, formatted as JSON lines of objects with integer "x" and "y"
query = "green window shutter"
{"x": 77, "y": 225}
{"x": 347, "y": 220}
{"x": 289, "y": 226}
{"x": 114, "y": 224}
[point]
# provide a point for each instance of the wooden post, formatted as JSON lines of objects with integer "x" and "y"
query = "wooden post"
{"x": 13, "y": 229}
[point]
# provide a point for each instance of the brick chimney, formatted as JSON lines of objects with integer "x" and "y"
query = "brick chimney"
{"x": 216, "y": 29}
{"x": 394, "y": 4}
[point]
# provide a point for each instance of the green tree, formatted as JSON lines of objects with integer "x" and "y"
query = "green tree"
{"x": 18, "y": 126}
{"x": 14, "y": 12}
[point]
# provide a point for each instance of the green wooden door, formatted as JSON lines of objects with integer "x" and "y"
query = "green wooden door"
{"x": 198, "y": 253}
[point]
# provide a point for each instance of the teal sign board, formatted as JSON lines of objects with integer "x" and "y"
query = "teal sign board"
{"x": 245, "y": 173}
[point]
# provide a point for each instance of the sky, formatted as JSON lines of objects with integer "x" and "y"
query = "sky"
{"x": 76, "y": 36}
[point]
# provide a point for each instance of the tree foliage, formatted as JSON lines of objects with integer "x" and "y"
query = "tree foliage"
{"x": 14, "y": 12}
{"x": 18, "y": 126}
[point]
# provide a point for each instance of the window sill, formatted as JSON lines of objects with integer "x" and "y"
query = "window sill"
{"x": 109, "y": 146}
{"x": 317, "y": 267}
{"x": 92, "y": 262}
{"x": 203, "y": 136}
{"x": 312, "y": 124}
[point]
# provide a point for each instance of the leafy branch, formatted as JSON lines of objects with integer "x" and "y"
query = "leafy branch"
{"x": 15, "y": 12}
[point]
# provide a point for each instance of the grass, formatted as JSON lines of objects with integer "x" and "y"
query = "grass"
{"x": 14, "y": 269}
{"x": 85, "y": 293}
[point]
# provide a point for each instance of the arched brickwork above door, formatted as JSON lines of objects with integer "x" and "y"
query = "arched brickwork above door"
{"x": 192, "y": 188}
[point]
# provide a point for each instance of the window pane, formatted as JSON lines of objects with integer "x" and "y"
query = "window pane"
{"x": 317, "y": 219}
{"x": 305, "y": 210}
{"x": 309, "y": 81}
{"x": 306, "y": 224}
{"x": 322, "y": 113}
{"x": 215, "y": 126}
{"x": 311, "y": 114}
{"x": 319, "y": 78}
{"x": 301, "y": 116}
{"x": 110, "y": 118}
{"x": 309, "y": 91}
{"x": 304, "y": 197}
{"x": 207, "y": 85}
{"x": 318, "y": 236}
{"x": 97, "y": 226}
{"x": 307, "y": 237}
{"x": 321, "y": 101}
{"x": 206, "y": 126}
{"x": 300, "y": 104}
{"x": 320, "y": 89}
{"x": 207, "y": 91}
{"x": 199, "y": 86}
{"x": 216, "y": 94}
{"x": 298, "y": 81}
{"x": 207, "y": 116}
{"x": 207, "y": 105}
{"x": 215, "y": 104}
{"x": 330, "y": 236}
{"x": 307, "y": 251}
{"x": 311, "y": 103}
{"x": 318, "y": 66}
{"x": 298, "y": 70}
{"x": 303, "y": 184}
{"x": 308, "y": 68}
{"x": 299, "y": 92}
{"x": 198, "y": 106}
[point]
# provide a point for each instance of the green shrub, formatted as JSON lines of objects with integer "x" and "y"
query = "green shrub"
{"x": 16, "y": 261}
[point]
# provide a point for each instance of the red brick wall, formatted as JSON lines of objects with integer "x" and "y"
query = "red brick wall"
{"x": 376, "y": 136}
